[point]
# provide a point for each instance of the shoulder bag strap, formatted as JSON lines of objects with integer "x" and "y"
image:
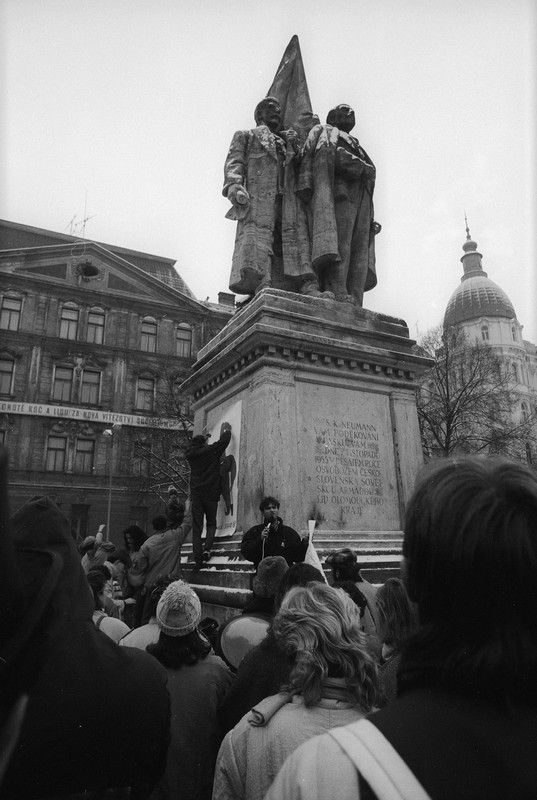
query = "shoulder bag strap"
{"x": 378, "y": 762}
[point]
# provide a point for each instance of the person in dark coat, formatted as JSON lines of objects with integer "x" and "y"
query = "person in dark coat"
{"x": 197, "y": 681}
{"x": 272, "y": 537}
{"x": 98, "y": 715}
{"x": 242, "y": 633}
{"x": 345, "y": 567}
{"x": 175, "y": 508}
{"x": 205, "y": 488}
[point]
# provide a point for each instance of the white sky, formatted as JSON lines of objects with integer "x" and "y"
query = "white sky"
{"x": 135, "y": 102}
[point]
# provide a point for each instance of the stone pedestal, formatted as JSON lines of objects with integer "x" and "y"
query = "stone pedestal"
{"x": 328, "y": 420}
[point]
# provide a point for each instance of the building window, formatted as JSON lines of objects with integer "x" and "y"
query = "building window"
{"x": 485, "y": 333}
{"x": 55, "y": 458}
{"x": 69, "y": 322}
{"x": 84, "y": 453}
{"x": 79, "y": 521}
{"x": 2, "y": 437}
{"x": 138, "y": 516}
{"x": 10, "y": 314}
{"x": 183, "y": 341}
{"x": 63, "y": 384}
{"x": 141, "y": 458}
{"x": 145, "y": 394}
{"x": 7, "y": 372}
{"x": 514, "y": 373}
{"x": 149, "y": 335}
{"x": 529, "y": 453}
{"x": 513, "y": 333}
{"x": 95, "y": 329}
{"x": 90, "y": 387}
{"x": 525, "y": 413}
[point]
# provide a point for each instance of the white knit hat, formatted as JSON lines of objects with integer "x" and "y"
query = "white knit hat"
{"x": 178, "y": 610}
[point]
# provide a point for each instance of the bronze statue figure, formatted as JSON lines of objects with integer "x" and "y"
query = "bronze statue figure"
{"x": 336, "y": 180}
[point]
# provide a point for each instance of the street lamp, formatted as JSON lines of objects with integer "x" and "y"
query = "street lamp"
{"x": 116, "y": 427}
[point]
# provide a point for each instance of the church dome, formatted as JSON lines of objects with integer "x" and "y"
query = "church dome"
{"x": 476, "y": 296}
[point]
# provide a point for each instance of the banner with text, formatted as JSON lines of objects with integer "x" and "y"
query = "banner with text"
{"x": 88, "y": 415}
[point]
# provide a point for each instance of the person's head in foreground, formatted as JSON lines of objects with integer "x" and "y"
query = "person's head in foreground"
{"x": 178, "y": 616}
{"x": 319, "y": 627}
{"x": 470, "y": 563}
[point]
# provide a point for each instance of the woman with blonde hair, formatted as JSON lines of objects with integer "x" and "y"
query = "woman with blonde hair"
{"x": 333, "y": 682}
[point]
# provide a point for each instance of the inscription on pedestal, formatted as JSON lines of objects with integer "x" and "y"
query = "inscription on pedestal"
{"x": 347, "y": 464}
{"x": 347, "y": 446}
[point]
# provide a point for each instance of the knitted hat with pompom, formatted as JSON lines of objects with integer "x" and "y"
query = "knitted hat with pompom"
{"x": 178, "y": 610}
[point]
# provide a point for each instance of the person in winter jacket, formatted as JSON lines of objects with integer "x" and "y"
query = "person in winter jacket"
{"x": 272, "y": 537}
{"x": 160, "y": 556}
{"x": 333, "y": 682}
{"x": 97, "y": 553}
{"x": 345, "y": 567}
{"x": 197, "y": 681}
{"x": 464, "y": 722}
{"x": 242, "y": 633}
{"x": 398, "y": 621}
{"x": 100, "y": 587}
{"x": 175, "y": 508}
{"x": 85, "y": 730}
{"x": 205, "y": 488}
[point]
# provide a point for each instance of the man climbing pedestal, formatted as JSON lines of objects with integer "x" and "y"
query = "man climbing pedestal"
{"x": 205, "y": 488}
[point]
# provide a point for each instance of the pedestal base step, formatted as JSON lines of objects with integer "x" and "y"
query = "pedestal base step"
{"x": 224, "y": 583}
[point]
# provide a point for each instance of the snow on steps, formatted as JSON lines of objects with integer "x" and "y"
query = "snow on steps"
{"x": 224, "y": 584}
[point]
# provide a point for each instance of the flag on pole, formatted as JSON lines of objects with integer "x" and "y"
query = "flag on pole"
{"x": 290, "y": 88}
{"x": 312, "y": 556}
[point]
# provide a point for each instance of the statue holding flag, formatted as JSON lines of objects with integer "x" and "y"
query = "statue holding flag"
{"x": 301, "y": 194}
{"x": 272, "y": 246}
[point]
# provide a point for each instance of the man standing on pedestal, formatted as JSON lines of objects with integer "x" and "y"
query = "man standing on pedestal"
{"x": 205, "y": 486}
{"x": 272, "y": 537}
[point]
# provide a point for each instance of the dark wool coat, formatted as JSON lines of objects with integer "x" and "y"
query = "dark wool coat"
{"x": 204, "y": 461}
{"x": 261, "y": 673}
{"x": 284, "y": 542}
{"x": 98, "y": 716}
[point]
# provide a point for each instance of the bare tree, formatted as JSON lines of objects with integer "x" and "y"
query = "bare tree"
{"x": 467, "y": 402}
{"x": 160, "y": 453}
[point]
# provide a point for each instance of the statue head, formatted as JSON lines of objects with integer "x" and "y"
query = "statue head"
{"x": 268, "y": 112}
{"x": 341, "y": 117}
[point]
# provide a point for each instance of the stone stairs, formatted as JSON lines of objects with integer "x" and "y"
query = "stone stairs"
{"x": 224, "y": 584}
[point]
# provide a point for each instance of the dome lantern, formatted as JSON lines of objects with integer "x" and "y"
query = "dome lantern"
{"x": 476, "y": 296}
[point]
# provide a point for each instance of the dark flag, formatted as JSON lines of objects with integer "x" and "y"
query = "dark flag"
{"x": 290, "y": 88}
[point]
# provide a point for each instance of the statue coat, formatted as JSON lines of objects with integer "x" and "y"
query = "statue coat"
{"x": 264, "y": 164}
{"x": 337, "y": 179}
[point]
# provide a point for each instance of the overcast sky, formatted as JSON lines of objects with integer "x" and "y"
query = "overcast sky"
{"x": 134, "y": 102}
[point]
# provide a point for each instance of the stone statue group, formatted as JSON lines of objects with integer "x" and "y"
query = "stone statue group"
{"x": 303, "y": 202}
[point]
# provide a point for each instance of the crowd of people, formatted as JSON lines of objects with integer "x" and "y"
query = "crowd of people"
{"x": 114, "y": 686}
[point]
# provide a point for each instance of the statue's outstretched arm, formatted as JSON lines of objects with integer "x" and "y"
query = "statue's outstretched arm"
{"x": 236, "y": 163}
